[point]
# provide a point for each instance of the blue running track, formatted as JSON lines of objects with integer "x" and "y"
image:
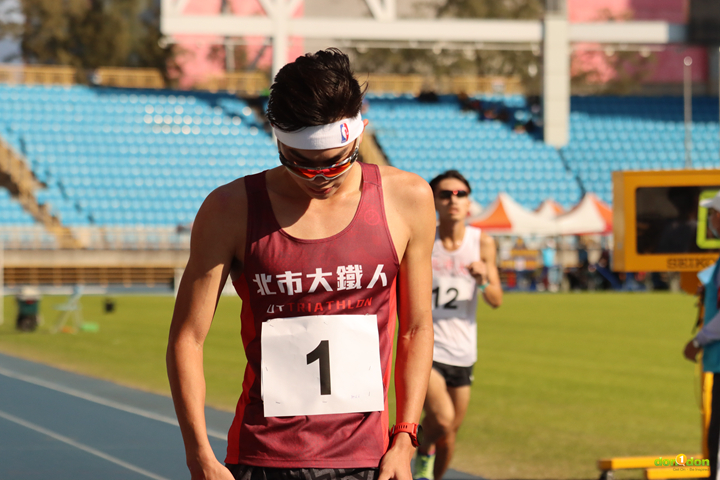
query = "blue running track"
{"x": 56, "y": 425}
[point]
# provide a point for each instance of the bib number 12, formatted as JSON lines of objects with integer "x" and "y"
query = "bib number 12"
{"x": 450, "y": 304}
{"x": 322, "y": 355}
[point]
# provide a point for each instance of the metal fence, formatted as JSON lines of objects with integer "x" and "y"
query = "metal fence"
{"x": 96, "y": 238}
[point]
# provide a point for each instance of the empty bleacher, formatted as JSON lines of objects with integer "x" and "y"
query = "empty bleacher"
{"x": 19, "y": 228}
{"x": 117, "y": 158}
{"x": 637, "y": 133}
{"x": 114, "y": 157}
{"x": 429, "y": 138}
{"x": 11, "y": 212}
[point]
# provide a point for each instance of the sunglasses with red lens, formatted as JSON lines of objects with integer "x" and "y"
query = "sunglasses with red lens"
{"x": 446, "y": 194}
{"x": 328, "y": 173}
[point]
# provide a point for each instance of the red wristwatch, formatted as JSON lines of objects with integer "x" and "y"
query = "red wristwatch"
{"x": 413, "y": 429}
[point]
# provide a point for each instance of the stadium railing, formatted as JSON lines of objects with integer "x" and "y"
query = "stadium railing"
{"x": 248, "y": 83}
{"x": 415, "y": 84}
{"x": 38, "y": 74}
{"x": 129, "y": 77}
{"x": 15, "y": 169}
{"x": 16, "y": 176}
{"x": 137, "y": 256}
{"x": 148, "y": 276}
{"x": 65, "y": 75}
{"x": 255, "y": 82}
{"x": 35, "y": 237}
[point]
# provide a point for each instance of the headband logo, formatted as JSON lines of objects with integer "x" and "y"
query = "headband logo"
{"x": 321, "y": 137}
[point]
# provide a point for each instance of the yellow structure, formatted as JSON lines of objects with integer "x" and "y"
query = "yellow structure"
{"x": 626, "y": 255}
{"x": 667, "y": 192}
{"x": 652, "y": 472}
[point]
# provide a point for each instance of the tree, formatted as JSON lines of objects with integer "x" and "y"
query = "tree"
{"x": 515, "y": 9}
{"x": 79, "y": 33}
{"x": 150, "y": 50}
{"x": 88, "y": 34}
{"x": 462, "y": 60}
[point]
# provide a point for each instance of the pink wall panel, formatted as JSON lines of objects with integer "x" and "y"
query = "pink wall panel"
{"x": 195, "y": 60}
{"x": 674, "y": 11}
{"x": 668, "y": 65}
{"x": 590, "y": 10}
{"x": 667, "y": 69}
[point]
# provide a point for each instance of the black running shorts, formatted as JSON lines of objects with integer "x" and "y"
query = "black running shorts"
{"x": 455, "y": 376}
{"x": 247, "y": 472}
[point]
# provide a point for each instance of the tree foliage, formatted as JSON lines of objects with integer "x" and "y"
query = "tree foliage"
{"x": 606, "y": 70}
{"x": 492, "y": 9}
{"x": 462, "y": 60}
{"x": 88, "y": 34}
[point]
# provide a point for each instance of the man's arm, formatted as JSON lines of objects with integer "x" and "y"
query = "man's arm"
{"x": 486, "y": 273}
{"x": 708, "y": 334}
{"x": 217, "y": 232}
{"x": 415, "y": 335}
{"x": 493, "y": 293}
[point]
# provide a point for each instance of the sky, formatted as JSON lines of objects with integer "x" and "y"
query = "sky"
{"x": 10, "y": 48}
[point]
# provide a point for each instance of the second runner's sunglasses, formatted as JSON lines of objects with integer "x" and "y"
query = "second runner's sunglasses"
{"x": 446, "y": 194}
{"x": 328, "y": 173}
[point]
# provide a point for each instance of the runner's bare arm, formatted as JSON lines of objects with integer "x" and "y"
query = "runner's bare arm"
{"x": 217, "y": 235}
{"x": 493, "y": 292}
{"x": 412, "y": 206}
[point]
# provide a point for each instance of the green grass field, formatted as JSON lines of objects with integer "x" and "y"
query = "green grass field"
{"x": 561, "y": 380}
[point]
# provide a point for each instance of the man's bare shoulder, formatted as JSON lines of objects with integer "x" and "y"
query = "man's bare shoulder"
{"x": 487, "y": 247}
{"x": 223, "y": 212}
{"x": 405, "y": 187}
{"x": 486, "y": 240}
{"x": 219, "y": 227}
{"x": 228, "y": 199}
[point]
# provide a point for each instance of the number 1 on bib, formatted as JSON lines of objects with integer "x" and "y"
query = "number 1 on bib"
{"x": 322, "y": 353}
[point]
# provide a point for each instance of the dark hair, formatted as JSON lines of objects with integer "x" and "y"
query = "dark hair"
{"x": 315, "y": 89}
{"x": 449, "y": 174}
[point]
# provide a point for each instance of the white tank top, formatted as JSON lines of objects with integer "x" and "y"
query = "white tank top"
{"x": 455, "y": 296}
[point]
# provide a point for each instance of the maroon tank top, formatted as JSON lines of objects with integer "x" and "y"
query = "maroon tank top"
{"x": 352, "y": 272}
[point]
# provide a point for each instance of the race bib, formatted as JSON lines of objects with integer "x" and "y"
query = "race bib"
{"x": 451, "y": 290}
{"x": 321, "y": 364}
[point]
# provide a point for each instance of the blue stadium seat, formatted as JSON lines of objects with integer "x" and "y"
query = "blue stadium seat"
{"x": 90, "y": 144}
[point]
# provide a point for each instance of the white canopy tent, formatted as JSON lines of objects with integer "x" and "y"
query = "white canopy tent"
{"x": 590, "y": 215}
{"x": 506, "y": 216}
{"x": 550, "y": 209}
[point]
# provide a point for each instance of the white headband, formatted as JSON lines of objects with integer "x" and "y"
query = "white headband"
{"x": 333, "y": 135}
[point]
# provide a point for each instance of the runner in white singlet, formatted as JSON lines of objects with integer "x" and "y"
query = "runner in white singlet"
{"x": 455, "y": 295}
{"x": 464, "y": 267}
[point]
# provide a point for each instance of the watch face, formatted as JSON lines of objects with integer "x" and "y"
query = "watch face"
{"x": 420, "y": 435}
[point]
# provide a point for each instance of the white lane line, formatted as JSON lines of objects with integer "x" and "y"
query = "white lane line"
{"x": 101, "y": 401}
{"x": 78, "y": 445}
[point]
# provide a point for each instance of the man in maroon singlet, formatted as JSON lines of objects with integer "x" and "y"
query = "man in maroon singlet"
{"x": 325, "y": 253}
